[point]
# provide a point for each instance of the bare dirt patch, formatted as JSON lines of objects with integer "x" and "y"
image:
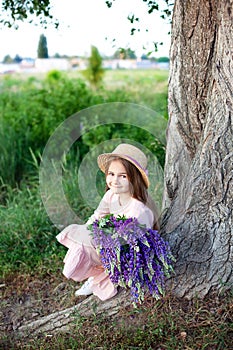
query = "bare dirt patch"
{"x": 26, "y": 297}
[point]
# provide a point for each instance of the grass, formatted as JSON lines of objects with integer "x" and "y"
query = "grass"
{"x": 31, "y": 109}
{"x": 148, "y": 88}
{"x": 27, "y": 236}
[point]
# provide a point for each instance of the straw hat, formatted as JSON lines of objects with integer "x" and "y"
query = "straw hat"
{"x": 131, "y": 153}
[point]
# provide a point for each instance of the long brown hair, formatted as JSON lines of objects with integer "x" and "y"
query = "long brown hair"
{"x": 137, "y": 186}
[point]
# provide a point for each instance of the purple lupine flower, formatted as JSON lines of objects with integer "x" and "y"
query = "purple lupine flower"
{"x": 133, "y": 255}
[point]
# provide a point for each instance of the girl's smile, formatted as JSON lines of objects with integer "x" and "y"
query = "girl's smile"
{"x": 117, "y": 179}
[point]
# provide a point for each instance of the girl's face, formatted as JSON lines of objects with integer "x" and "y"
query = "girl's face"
{"x": 117, "y": 179}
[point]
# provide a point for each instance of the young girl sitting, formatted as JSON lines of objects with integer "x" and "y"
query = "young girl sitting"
{"x": 126, "y": 194}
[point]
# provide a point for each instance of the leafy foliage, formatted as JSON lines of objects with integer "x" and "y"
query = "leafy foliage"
{"x": 94, "y": 72}
{"x": 121, "y": 132}
{"x": 124, "y": 54}
{"x": 16, "y": 10}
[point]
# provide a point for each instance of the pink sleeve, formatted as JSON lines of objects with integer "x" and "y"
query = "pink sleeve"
{"x": 140, "y": 211}
{"x": 102, "y": 209}
{"x": 146, "y": 217}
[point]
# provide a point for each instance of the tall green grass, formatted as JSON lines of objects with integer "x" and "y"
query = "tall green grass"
{"x": 31, "y": 109}
{"x": 27, "y": 235}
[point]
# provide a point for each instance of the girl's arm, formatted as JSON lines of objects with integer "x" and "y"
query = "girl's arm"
{"x": 146, "y": 217}
{"x": 102, "y": 209}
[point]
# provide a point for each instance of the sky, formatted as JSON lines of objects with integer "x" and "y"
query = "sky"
{"x": 90, "y": 22}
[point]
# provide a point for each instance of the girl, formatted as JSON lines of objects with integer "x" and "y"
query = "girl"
{"x": 126, "y": 194}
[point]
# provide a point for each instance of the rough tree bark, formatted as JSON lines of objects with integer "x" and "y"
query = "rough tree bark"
{"x": 199, "y": 162}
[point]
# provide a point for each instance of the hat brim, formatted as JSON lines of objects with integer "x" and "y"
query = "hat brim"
{"x": 104, "y": 158}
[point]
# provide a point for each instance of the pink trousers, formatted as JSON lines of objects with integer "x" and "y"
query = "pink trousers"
{"x": 82, "y": 261}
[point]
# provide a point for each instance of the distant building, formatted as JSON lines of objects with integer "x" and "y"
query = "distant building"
{"x": 120, "y": 64}
{"x": 27, "y": 63}
{"x": 134, "y": 64}
{"x": 45, "y": 65}
{"x": 48, "y": 64}
{"x": 162, "y": 65}
{"x": 8, "y": 68}
{"x": 145, "y": 64}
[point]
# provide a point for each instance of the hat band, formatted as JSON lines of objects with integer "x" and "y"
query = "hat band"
{"x": 145, "y": 170}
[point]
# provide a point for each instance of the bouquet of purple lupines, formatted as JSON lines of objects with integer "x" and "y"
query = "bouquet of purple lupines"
{"x": 133, "y": 255}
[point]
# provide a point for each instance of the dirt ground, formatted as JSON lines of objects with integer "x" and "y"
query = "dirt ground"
{"x": 27, "y": 298}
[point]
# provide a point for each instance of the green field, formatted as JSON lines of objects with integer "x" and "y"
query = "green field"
{"x": 31, "y": 259}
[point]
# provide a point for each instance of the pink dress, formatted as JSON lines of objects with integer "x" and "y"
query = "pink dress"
{"x": 82, "y": 260}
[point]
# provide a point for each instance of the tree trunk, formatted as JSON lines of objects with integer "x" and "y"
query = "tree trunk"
{"x": 198, "y": 197}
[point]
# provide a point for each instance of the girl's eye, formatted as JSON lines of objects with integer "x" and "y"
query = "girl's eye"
{"x": 122, "y": 176}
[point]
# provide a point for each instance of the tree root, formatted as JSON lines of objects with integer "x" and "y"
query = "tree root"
{"x": 62, "y": 321}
